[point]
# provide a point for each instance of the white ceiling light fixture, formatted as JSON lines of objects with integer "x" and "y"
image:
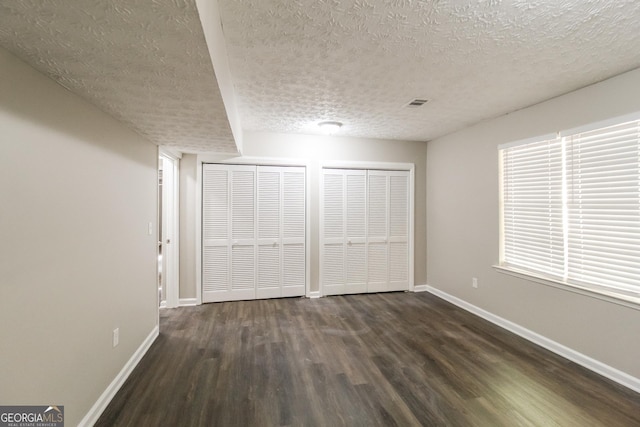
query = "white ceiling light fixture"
{"x": 330, "y": 127}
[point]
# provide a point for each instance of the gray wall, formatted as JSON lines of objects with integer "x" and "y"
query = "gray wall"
{"x": 315, "y": 149}
{"x": 188, "y": 189}
{"x": 78, "y": 190}
{"x": 463, "y": 229}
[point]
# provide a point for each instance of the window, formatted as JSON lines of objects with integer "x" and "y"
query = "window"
{"x": 570, "y": 207}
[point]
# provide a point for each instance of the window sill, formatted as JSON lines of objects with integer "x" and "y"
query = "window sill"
{"x": 601, "y": 294}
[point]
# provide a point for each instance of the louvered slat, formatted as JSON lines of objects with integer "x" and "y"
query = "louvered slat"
{"x": 377, "y": 215}
{"x": 333, "y": 205}
{"x": 333, "y": 269}
{"x": 356, "y": 204}
{"x": 399, "y": 205}
{"x": 378, "y": 261}
{"x": 268, "y": 204}
{"x": 243, "y": 267}
{"x": 293, "y": 193}
{"x": 215, "y": 269}
{"x": 243, "y": 204}
{"x": 215, "y": 217}
{"x": 356, "y": 264}
{"x": 269, "y": 266}
{"x": 293, "y": 273}
{"x": 604, "y": 207}
{"x": 398, "y": 262}
{"x": 532, "y": 207}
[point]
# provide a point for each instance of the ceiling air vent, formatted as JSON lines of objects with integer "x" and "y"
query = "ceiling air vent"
{"x": 415, "y": 103}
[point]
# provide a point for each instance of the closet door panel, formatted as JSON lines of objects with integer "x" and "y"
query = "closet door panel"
{"x": 356, "y": 231}
{"x": 294, "y": 270}
{"x": 377, "y": 229}
{"x": 294, "y": 204}
{"x": 254, "y": 227}
{"x": 243, "y": 272}
{"x": 398, "y": 231}
{"x": 333, "y": 269}
{"x": 215, "y": 271}
{"x": 332, "y": 232}
{"x": 243, "y": 214}
{"x": 228, "y": 232}
{"x": 243, "y": 232}
{"x": 293, "y": 246}
{"x": 398, "y": 266}
{"x": 269, "y": 280}
{"x": 215, "y": 233}
{"x": 365, "y": 231}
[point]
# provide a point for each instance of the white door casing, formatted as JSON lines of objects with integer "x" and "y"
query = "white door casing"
{"x": 170, "y": 227}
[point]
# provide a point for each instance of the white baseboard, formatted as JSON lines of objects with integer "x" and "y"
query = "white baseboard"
{"x": 594, "y": 365}
{"x": 103, "y": 401}
{"x": 313, "y": 294}
{"x": 420, "y": 288}
{"x": 187, "y": 302}
{"x": 163, "y": 304}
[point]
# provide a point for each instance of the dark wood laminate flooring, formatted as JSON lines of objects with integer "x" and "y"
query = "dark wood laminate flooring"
{"x": 397, "y": 359}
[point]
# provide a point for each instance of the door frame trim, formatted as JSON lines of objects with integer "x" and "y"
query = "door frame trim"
{"x": 233, "y": 159}
{"x": 172, "y": 273}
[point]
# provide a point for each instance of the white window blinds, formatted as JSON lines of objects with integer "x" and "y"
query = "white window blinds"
{"x": 571, "y": 208}
{"x": 603, "y": 169}
{"x": 532, "y": 207}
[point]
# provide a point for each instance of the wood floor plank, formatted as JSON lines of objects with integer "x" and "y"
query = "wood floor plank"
{"x": 390, "y": 359}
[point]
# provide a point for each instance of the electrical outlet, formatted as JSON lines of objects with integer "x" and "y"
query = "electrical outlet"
{"x": 116, "y": 336}
{"x": 474, "y": 282}
{"x": 150, "y": 229}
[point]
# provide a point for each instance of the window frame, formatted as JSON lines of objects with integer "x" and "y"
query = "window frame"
{"x": 624, "y": 297}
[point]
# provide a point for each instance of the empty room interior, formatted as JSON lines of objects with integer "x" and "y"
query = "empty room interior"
{"x": 262, "y": 212}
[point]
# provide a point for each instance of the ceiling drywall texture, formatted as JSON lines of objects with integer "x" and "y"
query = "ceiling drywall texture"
{"x": 145, "y": 62}
{"x": 298, "y": 62}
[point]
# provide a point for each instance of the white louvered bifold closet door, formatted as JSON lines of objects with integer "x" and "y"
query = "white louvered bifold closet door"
{"x": 398, "y": 231}
{"x": 269, "y": 230}
{"x": 281, "y": 232}
{"x": 356, "y": 231}
{"x": 254, "y": 224}
{"x": 294, "y": 260}
{"x": 216, "y": 225}
{"x": 229, "y": 232}
{"x": 378, "y": 231}
{"x": 332, "y": 232}
{"x": 344, "y": 232}
{"x": 364, "y": 231}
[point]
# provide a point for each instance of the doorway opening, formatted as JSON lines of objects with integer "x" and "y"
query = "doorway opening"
{"x": 168, "y": 200}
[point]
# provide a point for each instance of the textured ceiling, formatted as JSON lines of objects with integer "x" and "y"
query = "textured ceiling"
{"x": 298, "y": 62}
{"x": 295, "y": 63}
{"x": 145, "y": 62}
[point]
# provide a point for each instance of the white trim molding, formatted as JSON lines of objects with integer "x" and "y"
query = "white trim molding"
{"x": 187, "y": 302}
{"x": 420, "y": 288}
{"x": 596, "y": 366}
{"x": 105, "y": 398}
{"x": 313, "y": 294}
{"x": 170, "y": 227}
{"x": 392, "y": 166}
{"x": 600, "y": 293}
